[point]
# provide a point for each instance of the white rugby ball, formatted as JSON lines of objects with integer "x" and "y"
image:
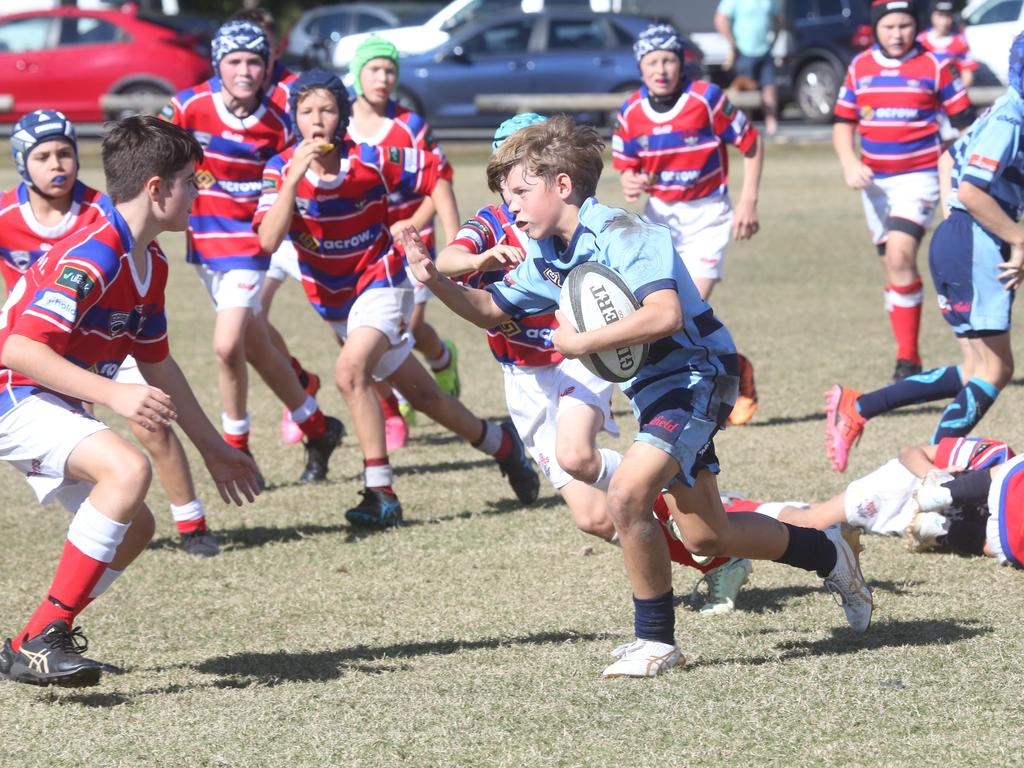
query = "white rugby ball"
{"x": 594, "y": 296}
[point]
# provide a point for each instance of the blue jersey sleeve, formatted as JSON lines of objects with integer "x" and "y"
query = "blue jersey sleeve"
{"x": 991, "y": 150}
{"x": 526, "y": 290}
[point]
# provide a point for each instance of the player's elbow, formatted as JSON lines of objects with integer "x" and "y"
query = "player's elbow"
{"x": 269, "y": 242}
{"x": 672, "y": 319}
{"x": 12, "y": 354}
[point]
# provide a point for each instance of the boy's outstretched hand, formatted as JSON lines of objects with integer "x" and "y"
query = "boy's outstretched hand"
{"x": 234, "y": 472}
{"x": 422, "y": 267}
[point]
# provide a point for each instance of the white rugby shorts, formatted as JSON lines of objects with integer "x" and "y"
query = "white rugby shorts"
{"x": 700, "y": 229}
{"x": 389, "y": 310}
{"x": 912, "y": 197}
{"x": 284, "y": 263}
{"x": 38, "y": 436}
{"x": 233, "y": 288}
{"x": 882, "y": 501}
{"x": 537, "y": 396}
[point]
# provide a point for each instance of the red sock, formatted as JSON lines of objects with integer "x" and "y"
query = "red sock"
{"x": 315, "y": 425}
{"x": 241, "y": 442}
{"x": 904, "y": 305}
{"x": 676, "y": 551}
{"x": 77, "y": 574}
{"x": 389, "y": 405}
{"x": 191, "y": 526}
{"x": 506, "y": 445}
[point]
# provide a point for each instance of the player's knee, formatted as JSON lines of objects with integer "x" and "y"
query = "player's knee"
{"x": 626, "y": 505}
{"x": 129, "y": 471}
{"x": 229, "y": 351}
{"x": 430, "y": 398}
{"x": 351, "y": 377}
{"x": 582, "y": 462}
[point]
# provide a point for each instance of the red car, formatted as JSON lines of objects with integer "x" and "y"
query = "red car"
{"x": 67, "y": 59}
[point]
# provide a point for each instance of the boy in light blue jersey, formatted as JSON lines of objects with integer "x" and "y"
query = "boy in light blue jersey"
{"x": 977, "y": 262}
{"x": 681, "y": 397}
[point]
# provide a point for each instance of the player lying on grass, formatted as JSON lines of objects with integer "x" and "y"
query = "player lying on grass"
{"x": 331, "y": 197}
{"x": 94, "y": 298}
{"x": 556, "y": 404}
{"x": 932, "y": 495}
{"x": 682, "y": 396}
{"x": 49, "y": 204}
{"x": 977, "y": 261}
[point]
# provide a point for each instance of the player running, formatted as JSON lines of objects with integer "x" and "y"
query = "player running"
{"x": 557, "y": 405}
{"x": 681, "y": 397}
{"x": 946, "y": 42}
{"x": 670, "y": 143}
{"x": 95, "y": 297}
{"x": 331, "y": 197}
{"x": 240, "y": 130}
{"x": 892, "y": 96}
{"x": 977, "y": 261}
{"x": 49, "y": 204}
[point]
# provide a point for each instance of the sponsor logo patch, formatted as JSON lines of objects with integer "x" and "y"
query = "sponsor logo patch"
{"x": 77, "y": 280}
{"x": 985, "y": 163}
{"x": 205, "y": 179}
{"x": 394, "y": 155}
{"x": 59, "y": 304}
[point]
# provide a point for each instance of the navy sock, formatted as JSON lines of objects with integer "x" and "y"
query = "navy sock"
{"x": 936, "y": 384}
{"x": 966, "y": 410}
{"x": 810, "y": 550}
{"x": 655, "y": 619}
{"x": 970, "y": 487}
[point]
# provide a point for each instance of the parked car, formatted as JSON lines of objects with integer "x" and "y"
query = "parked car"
{"x": 824, "y": 36}
{"x": 321, "y": 27}
{"x": 548, "y": 52}
{"x": 990, "y": 26}
{"x": 436, "y": 30}
{"x": 67, "y": 59}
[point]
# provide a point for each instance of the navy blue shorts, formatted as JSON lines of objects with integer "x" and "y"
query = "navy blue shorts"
{"x": 759, "y": 68}
{"x": 964, "y": 261}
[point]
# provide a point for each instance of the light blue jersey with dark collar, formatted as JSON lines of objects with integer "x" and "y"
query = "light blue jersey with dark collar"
{"x": 694, "y": 368}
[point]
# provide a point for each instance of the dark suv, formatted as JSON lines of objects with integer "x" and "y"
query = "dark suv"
{"x": 826, "y": 34}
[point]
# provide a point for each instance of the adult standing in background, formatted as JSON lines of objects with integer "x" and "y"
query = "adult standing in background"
{"x": 750, "y": 27}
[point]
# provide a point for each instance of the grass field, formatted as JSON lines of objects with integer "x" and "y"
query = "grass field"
{"x": 475, "y": 635}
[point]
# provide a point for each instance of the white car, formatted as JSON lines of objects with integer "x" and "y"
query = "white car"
{"x": 990, "y": 27}
{"x": 436, "y": 30}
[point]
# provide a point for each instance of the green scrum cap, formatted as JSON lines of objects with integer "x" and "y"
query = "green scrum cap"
{"x": 373, "y": 47}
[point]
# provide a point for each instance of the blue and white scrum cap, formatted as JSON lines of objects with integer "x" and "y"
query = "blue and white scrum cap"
{"x": 658, "y": 37}
{"x": 35, "y": 128}
{"x": 239, "y": 35}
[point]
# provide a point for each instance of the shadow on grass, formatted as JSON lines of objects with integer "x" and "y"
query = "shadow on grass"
{"x": 258, "y": 536}
{"x": 241, "y": 670}
{"x": 763, "y": 600}
{"x": 889, "y": 634}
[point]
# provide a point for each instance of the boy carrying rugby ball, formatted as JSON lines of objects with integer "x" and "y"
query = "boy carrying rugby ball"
{"x": 682, "y": 396}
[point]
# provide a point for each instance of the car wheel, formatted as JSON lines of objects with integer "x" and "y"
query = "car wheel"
{"x": 151, "y": 96}
{"x": 815, "y": 90}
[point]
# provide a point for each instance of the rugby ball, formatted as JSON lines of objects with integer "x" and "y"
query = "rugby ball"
{"x": 594, "y": 296}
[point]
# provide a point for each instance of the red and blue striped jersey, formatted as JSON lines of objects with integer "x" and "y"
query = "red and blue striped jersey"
{"x": 949, "y": 48}
{"x": 407, "y": 129}
{"x": 682, "y": 150}
{"x": 895, "y": 103}
{"x": 23, "y": 239}
{"x": 229, "y": 179}
{"x": 85, "y": 300}
{"x": 279, "y": 89}
{"x": 971, "y": 453}
{"x": 340, "y": 226}
{"x": 526, "y": 341}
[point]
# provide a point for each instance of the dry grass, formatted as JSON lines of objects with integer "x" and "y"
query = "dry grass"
{"x": 475, "y": 635}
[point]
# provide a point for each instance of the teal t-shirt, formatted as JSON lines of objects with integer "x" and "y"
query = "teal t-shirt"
{"x": 751, "y": 24}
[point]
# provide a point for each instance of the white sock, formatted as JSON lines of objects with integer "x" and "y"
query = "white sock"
{"x": 109, "y": 577}
{"x": 440, "y": 363}
{"x": 491, "y": 441}
{"x": 378, "y": 477}
{"x": 95, "y": 534}
{"x": 193, "y": 510}
{"x": 234, "y": 426}
{"x": 304, "y": 411}
{"x": 610, "y": 461}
